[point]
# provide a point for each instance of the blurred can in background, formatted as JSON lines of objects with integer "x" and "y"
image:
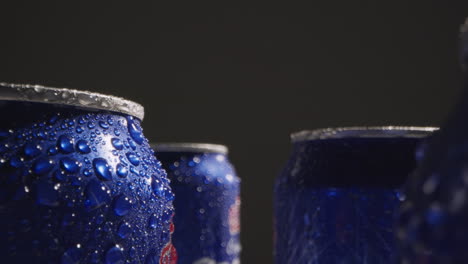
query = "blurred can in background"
{"x": 207, "y": 203}
{"x": 336, "y": 200}
{"x": 433, "y": 220}
{"x": 79, "y": 182}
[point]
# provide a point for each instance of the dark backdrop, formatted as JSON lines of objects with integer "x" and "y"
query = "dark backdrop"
{"x": 245, "y": 76}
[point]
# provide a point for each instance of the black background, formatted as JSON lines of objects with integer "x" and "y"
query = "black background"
{"x": 245, "y": 75}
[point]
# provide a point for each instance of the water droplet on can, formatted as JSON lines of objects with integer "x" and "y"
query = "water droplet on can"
{"x": 83, "y": 146}
{"x": 133, "y": 158}
{"x": 135, "y": 131}
{"x": 122, "y": 171}
{"x": 87, "y": 172}
{"x": 122, "y": 205}
{"x": 157, "y": 187}
{"x": 115, "y": 255}
{"x": 124, "y": 230}
{"x": 103, "y": 124}
{"x": 117, "y": 143}
{"x": 132, "y": 144}
{"x": 52, "y": 151}
{"x": 65, "y": 144}
{"x": 42, "y": 166}
{"x": 69, "y": 165}
{"x": 32, "y": 150}
{"x": 102, "y": 169}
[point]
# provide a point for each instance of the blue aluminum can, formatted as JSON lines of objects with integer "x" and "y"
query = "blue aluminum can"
{"x": 336, "y": 200}
{"x": 79, "y": 182}
{"x": 433, "y": 220}
{"x": 207, "y": 202}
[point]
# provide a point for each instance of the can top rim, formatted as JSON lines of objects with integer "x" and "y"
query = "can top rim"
{"x": 363, "y": 132}
{"x": 190, "y": 147}
{"x": 65, "y": 96}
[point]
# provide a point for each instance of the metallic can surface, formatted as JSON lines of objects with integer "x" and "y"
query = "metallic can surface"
{"x": 336, "y": 200}
{"x": 207, "y": 202}
{"x": 78, "y": 180}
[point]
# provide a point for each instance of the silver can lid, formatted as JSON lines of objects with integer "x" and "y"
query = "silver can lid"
{"x": 190, "y": 147}
{"x": 64, "y": 96}
{"x": 363, "y": 132}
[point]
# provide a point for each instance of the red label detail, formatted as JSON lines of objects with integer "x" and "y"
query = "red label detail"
{"x": 234, "y": 217}
{"x": 168, "y": 254}
{"x": 171, "y": 228}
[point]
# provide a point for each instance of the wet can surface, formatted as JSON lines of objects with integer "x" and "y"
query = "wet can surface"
{"x": 337, "y": 199}
{"x": 207, "y": 202}
{"x": 433, "y": 220}
{"x": 78, "y": 180}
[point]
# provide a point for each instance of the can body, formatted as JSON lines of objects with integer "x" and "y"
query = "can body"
{"x": 433, "y": 220}
{"x": 80, "y": 186}
{"x": 337, "y": 199}
{"x": 432, "y": 226}
{"x": 207, "y": 205}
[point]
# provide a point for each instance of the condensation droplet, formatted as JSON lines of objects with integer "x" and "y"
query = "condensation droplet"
{"x": 42, "y": 166}
{"x": 32, "y": 150}
{"x": 115, "y": 255}
{"x": 124, "y": 230}
{"x": 122, "y": 205}
{"x": 122, "y": 171}
{"x": 69, "y": 165}
{"x": 135, "y": 131}
{"x": 103, "y": 124}
{"x": 133, "y": 158}
{"x": 65, "y": 144}
{"x": 83, "y": 147}
{"x": 102, "y": 169}
{"x": 117, "y": 143}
